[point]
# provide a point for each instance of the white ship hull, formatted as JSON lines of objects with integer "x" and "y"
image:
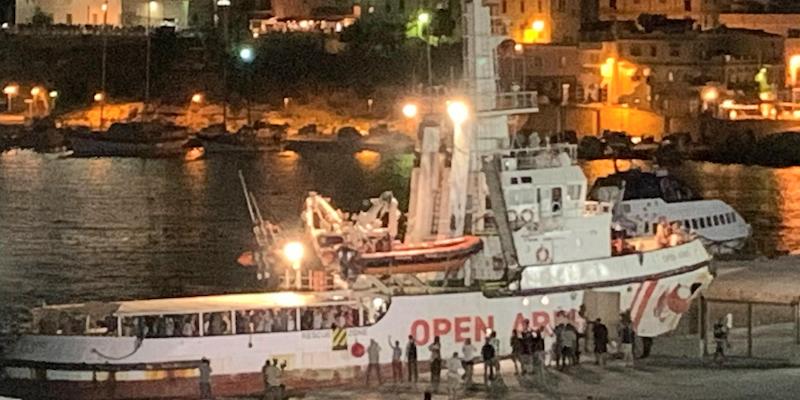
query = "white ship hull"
{"x": 718, "y": 225}
{"x": 236, "y": 360}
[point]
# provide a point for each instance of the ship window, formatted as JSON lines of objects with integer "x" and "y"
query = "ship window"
{"x": 556, "y": 199}
{"x": 716, "y": 220}
{"x": 728, "y": 218}
{"x": 694, "y": 223}
{"x": 265, "y": 321}
{"x": 514, "y": 181}
{"x": 734, "y": 216}
{"x": 702, "y": 223}
{"x": 646, "y": 227}
{"x": 574, "y": 192}
{"x": 217, "y": 323}
{"x": 160, "y": 326}
{"x": 325, "y": 317}
{"x": 708, "y": 221}
{"x": 526, "y": 179}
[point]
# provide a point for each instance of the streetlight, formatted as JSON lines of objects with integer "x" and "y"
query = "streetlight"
{"x": 103, "y": 7}
{"x": 53, "y": 96}
{"x": 99, "y": 96}
{"x": 10, "y": 91}
{"x": 197, "y": 98}
{"x": 152, "y": 5}
{"x": 35, "y": 91}
{"x": 410, "y": 110}
{"x": 424, "y": 19}
{"x": 247, "y": 55}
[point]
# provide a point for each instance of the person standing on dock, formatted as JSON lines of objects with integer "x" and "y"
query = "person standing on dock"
{"x": 495, "y": 342}
{"x": 205, "y": 380}
{"x": 411, "y": 359}
{"x": 469, "y": 361}
{"x": 516, "y": 351}
{"x": 627, "y": 336}
{"x": 273, "y": 386}
{"x": 374, "y": 354}
{"x": 436, "y": 363}
{"x": 487, "y": 353}
{"x": 453, "y": 376}
{"x": 721, "y": 340}
{"x": 397, "y": 361}
{"x": 600, "y": 334}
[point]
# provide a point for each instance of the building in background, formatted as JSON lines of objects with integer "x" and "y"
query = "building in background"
{"x": 704, "y": 12}
{"x": 540, "y": 21}
{"x": 116, "y": 13}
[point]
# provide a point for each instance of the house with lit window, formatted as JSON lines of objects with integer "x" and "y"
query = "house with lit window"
{"x": 114, "y": 13}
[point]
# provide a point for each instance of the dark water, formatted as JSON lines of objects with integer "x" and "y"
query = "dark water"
{"x": 76, "y": 230}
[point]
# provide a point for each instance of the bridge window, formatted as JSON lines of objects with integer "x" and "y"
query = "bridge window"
{"x": 716, "y": 220}
{"x": 708, "y": 221}
{"x": 694, "y": 223}
{"x": 526, "y": 179}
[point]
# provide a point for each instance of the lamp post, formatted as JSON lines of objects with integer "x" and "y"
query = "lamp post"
{"x": 10, "y": 91}
{"x": 247, "y": 55}
{"x": 224, "y": 5}
{"x": 103, "y": 7}
{"x": 424, "y": 19}
{"x": 53, "y": 96}
{"x": 152, "y": 4}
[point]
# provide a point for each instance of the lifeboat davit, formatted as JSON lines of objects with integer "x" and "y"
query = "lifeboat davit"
{"x": 436, "y": 256}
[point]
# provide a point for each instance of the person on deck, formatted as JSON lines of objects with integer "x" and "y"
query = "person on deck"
{"x": 662, "y": 232}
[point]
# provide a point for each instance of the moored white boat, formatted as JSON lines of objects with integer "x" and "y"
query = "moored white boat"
{"x": 641, "y": 198}
{"x": 134, "y": 139}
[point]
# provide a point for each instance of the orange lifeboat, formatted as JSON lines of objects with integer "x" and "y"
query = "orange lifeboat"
{"x": 435, "y": 256}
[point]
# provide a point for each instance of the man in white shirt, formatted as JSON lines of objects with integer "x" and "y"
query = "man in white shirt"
{"x": 453, "y": 376}
{"x": 468, "y": 362}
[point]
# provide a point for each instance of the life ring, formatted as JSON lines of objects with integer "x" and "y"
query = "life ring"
{"x": 542, "y": 254}
{"x": 328, "y": 257}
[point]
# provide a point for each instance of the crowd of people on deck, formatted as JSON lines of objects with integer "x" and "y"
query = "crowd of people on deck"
{"x": 667, "y": 234}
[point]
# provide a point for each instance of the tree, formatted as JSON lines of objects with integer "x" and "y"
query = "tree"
{"x": 40, "y": 18}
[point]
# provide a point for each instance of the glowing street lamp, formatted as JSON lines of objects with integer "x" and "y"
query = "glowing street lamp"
{"x": 410, "y": 110}
{"x": 10, "y": 91}
{"x": 458, "y": 112}
{"x": 35, "y": 91}
{"x": 197, "y": 98}
{"x": 538, "y": 26}
{"x": 247, "y": 54}
{"x": 99, "y": 97}
{"x": 424, "y": 19}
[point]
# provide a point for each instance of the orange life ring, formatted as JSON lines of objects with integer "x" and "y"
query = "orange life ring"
{"x": 542, "y": 254}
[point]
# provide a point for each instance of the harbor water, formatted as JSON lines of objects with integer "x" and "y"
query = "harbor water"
{"x": 76, "y": 230}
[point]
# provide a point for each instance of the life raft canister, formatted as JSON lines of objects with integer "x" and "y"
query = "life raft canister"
{"x": 542, "y": 254}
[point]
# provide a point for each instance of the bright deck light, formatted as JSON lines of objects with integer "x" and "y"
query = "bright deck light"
{"x": 457, "y": 111}
{"x": 410, "y": 110}
{"x": 293, "y": 251}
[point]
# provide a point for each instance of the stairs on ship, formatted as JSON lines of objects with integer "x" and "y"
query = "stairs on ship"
{"x": 491, "y": 169}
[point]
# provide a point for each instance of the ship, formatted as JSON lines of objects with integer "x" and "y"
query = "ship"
{"x": 130, "y": 139}
{"x": 642, "y": 198}
{"x": 260, "y": 137}
{"x": 546, "y": 257}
